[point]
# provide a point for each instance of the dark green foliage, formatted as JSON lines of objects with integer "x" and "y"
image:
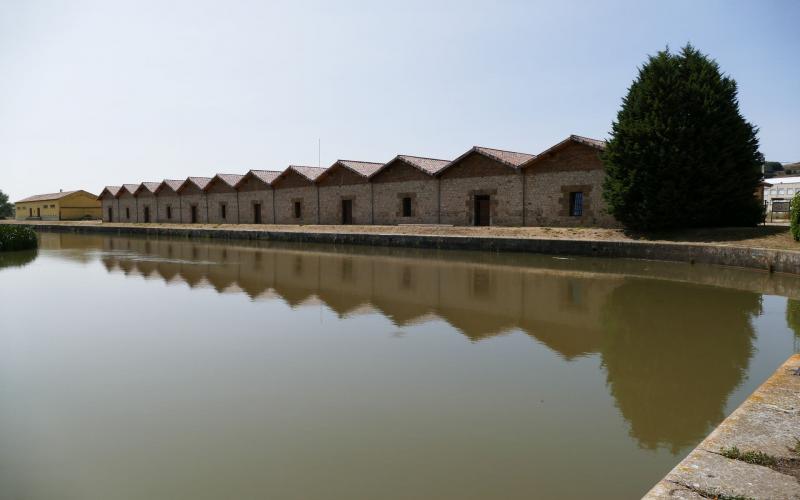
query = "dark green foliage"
{"x": 751, "y": 457}
{"x": 773, "y": 166}
{"x": 14, "y": 237}
{"x": 5, "y": 206}
{"x": 681, "y": 154}
{"x": 17, "y": 259}
{"x": 794, "y": 217}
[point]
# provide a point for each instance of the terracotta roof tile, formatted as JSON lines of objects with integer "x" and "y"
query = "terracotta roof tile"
{"x": 150, "y": 186}
{"x": 266, "y": 175}
{"x": 173, "y": 184}
{"x": 363, "y": 168}
{"x": 131, "y": 188}
{"x": 229, "y": 179}
{"x": 595, "y": 143}
{"x": 112, "y": 190}
{"x": 200, "y": 182}
{"x": 430, "y": 166}
{"x": 310, "y": 173}
{"x": 45, "y": 197}
{"x": 511, "y": 158}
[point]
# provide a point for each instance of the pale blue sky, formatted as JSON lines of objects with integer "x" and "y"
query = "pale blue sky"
{"x": 104, "y": 92}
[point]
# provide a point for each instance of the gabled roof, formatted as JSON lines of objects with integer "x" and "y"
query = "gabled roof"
{"x": 112, "y": 190}
{"x": 52, "y": 196}
{"x": 363, "y": 168}
{"x": 200, "y": 182}
{"x": 130, "y": 188}
{"x": 511, "y": 159}
{"x": 173, "y": 184}
{"x": 308, "y": 173}
{"x": 430, "y": 166}
{"x": 149, "y": 186}
{"x": 573, "y": 139}
{"x": 228, "y": 179}
{"x": 266, "y": 176}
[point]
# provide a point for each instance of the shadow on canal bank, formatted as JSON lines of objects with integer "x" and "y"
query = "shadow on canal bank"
{"x": 669, "y": 336}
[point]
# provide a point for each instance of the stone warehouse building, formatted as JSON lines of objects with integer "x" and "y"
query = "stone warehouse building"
{"x": 562, "y": 186}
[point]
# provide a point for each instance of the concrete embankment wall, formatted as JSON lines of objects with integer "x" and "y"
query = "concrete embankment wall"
{"x": 754, "y": 453}
{"x": 781, "y": 261}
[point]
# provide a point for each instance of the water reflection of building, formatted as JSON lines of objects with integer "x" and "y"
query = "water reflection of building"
{"x": 663, "y": 342}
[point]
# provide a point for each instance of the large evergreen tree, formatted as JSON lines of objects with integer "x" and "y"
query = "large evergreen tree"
{"x": 5, "y": 206}
{"x": 681, "y": 154}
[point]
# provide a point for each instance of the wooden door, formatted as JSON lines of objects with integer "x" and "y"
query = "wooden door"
{"x": 194, "y": 214}
{"x": 347, "y": 211}
{"x": 257, "y": 213}
{"x": 482, "y": 210}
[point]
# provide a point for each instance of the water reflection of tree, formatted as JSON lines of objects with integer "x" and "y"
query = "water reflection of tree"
{"x": 17, "y": 259}
{"x": 673, "y": 354}
{"x": 793, "y": 317}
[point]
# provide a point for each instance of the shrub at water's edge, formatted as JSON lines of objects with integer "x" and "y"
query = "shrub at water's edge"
{"x": 681, "y": 154}
{"x": 795, "y": 217}
{"x": 17, "y": 238}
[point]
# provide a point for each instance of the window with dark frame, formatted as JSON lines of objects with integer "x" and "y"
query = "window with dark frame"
{"x": 298, "y": 210}
{"x": 576, "y": 203}
{"x": 407, "y": 206}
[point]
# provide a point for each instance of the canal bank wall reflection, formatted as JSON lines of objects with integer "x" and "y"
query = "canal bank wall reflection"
{"x": 657, "y": 329}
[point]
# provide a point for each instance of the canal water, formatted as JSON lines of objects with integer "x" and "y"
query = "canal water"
{"x": 135, "y": 368}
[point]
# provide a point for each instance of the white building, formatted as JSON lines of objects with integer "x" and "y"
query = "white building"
{"x": 782, "y": 189}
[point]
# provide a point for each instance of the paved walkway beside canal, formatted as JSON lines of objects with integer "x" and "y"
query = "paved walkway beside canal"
{"x": 754, "y": 453}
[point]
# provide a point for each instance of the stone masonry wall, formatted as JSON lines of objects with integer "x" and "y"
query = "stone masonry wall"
{"x": 193, "y": 196}
{"x": 549, "y": 182}
{"x": 253, "y": 191}
{"x": 109, "y": 202}
{"x": 342, "y": 184}
{"x": 401, "y": 180}
{"x": 330, "y": 202}
{"x": 217, "y": 195}
{"x": 284, "y": 204}
{"x": 168, "y": 198}
{"x": 145, "y": 199}
{"x": 478, "y": 175}
{"x": 127, "y": 208}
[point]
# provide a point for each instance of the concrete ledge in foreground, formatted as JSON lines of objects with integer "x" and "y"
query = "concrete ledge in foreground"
{"x": 767, "y": 422}
{"x": 783, "y": 261}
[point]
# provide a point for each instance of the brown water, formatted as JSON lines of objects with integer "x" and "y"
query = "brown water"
{"x": 173, "y": 369}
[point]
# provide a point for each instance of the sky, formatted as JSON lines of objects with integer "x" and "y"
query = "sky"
{"x": 96, "y": 93}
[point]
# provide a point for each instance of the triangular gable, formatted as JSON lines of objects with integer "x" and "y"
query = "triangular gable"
{"x": 573, "y": 139}
{"x": 511, "y": 159}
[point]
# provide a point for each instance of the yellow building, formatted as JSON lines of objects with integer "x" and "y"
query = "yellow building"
{"x": 66, "y": 205}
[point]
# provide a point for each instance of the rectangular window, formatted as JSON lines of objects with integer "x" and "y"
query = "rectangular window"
{"x": 576, "y": 203}
{"x": 780, "y": 191}
{"x": 298, "y": 210}
{"x": 169, "y": 212}
{"x": 127, "y": 213}
{"x": 407, "y": 207}
{"x": 223, "y": 210}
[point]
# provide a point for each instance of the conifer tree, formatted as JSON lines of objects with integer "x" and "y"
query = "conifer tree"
{"x": 680, "y": 153}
